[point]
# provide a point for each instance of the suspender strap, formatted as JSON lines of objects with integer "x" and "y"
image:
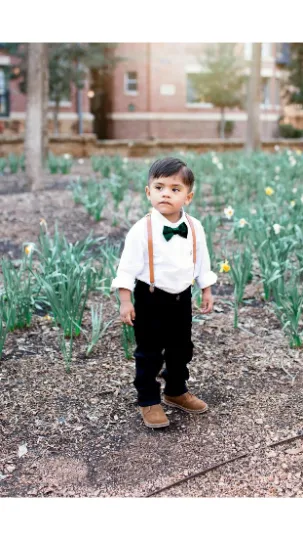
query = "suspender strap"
{"x": 151, "y": 251}
{"x": 150, "y": 254}
{"x": 190, "y": 221}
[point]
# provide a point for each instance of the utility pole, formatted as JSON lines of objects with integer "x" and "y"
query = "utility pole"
{"x": 253, "y": 139}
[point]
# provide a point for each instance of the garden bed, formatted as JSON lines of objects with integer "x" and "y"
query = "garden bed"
{"x": 80, "y": 432}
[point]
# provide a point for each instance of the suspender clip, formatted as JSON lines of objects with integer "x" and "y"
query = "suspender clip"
{"x": 152, "y": 287}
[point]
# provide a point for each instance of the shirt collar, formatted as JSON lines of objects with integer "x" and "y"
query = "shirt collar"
{"x": 162, "y": 219}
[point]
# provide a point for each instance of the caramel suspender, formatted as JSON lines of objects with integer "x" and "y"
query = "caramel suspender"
{"x": 151, "y": 251}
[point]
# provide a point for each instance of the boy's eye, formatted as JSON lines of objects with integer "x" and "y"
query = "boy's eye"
{"x": 158, "y": 187}
{"x": 176, "y": 189}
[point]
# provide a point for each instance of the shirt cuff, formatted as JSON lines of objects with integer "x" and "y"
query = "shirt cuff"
{"x": 207, "y": 279}
{"x": 123, "y": 281}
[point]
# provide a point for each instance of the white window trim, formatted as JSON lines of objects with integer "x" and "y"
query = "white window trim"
{"x": 62, "y": 103}
{"x": 129, "y": 92}
{"x": 199, "y": 105}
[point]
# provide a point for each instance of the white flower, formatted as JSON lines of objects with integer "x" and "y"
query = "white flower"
{"x": 215, "y": 160}
{"x": 220, "y": 166}
{"x": 125, "y": 160}
{"x": 182, "y": 153}
{"x": 253, "y": 211}
{"x": 229, "y": 212}
{"x": 277, "y": 177}
{"x": 147, "y": 161}
{"x": 294, "y": 190}
{"x": 277, "y": 228}
{"x": 67, "y": 156}
{"x": 242, "y": 222}
{"x": 80, "y": 161}
{"x": 277, "y": 169}
{"x": 288, "y": 152}
{"x": 292, "y": 162}
{"x": 277, "y": 148}
{"x": 302, "y": 199}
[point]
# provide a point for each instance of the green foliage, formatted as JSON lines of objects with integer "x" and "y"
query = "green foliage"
{"x": 3, "y": 165}
{"x": 240, "y": 270}
{"x": 17, "y": 294}
{"x": 288, "y": 131}
{"x": 98, "y": 327}
{"x": 128, "y": 341}
{"x": 288, "y": 306}
{"x": 221, "y": 81}
{"x": 294, "y": 89}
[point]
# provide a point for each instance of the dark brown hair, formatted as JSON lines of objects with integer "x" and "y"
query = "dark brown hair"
{"x": 168, "y": 167}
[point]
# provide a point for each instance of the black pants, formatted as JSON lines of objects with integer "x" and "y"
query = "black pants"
{"x": 163, "y": 333}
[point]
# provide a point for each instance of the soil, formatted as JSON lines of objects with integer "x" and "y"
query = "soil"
{"x": 79, "y": 434}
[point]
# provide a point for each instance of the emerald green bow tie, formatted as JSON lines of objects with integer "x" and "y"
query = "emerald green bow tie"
{"x": 168, "y": 232}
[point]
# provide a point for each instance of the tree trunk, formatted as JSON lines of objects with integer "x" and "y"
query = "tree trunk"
{"x": 253, "y": 140}
{"x": 222, "y": 124}
{"x": 56, "y": 117}
{"x": 34, "y": 123}
{"x": 45, "y": 103}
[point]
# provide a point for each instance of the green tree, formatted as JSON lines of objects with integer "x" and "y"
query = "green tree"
{"x": 294, "y": 85}
{"x": 222, "y": 79}
{"x": 70, "y": 64}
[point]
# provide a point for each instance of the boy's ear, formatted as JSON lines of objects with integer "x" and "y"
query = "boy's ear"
{"x": 189, "y": 198}
{"x": 147, "y": 191}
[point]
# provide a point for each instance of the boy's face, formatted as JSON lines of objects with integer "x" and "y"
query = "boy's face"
{"x": 168, "y": 195}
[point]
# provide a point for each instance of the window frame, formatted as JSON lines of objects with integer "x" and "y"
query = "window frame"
{"x": 5, "y": 96}
{"x": 128, "y": 80}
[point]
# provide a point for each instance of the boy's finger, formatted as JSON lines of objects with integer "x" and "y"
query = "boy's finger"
{"x": 133, "y": 314}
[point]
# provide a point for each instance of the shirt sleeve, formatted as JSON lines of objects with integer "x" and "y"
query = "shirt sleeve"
{"x": 204, "y": 276}
{"x": 132, "y": 259}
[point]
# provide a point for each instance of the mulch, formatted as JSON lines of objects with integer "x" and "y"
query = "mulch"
{"x": 79, "y": 434}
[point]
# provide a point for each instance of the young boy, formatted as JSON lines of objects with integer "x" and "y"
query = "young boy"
{"x": 164, "y": 253}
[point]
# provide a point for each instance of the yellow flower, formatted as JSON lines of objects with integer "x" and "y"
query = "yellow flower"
{"x": 224, "y": 267}
{"x": 47, "y": 318}
{"x": 29, "y": 248}
{"x": 269, "y": 191}
{"x": 298, "y": 152}
{"x": 292, "y": 203}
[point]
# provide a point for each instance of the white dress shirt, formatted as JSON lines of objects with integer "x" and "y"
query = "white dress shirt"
{"x": 173, "y": 259}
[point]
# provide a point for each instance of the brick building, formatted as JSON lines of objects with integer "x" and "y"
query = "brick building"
{"x": 152, "y": 95}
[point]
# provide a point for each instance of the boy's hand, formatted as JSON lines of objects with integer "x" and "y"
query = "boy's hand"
{"x": 207, "y": 301}
{"x": 127, "y": 313}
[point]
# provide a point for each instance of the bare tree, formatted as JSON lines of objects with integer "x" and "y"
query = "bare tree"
{"x": 253, "y": 138}
{"x": 34, "y": 116}
{"x": 45, "y": 103}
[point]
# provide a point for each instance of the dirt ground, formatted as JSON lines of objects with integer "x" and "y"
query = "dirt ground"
{"x": 80, "y": 434}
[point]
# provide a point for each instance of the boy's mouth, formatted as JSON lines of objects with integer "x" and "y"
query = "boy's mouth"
{"x": 165, "y": 202}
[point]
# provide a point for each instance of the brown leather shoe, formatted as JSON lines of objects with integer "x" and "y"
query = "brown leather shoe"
{"x": 187, "y": 402}
{"x": 154, "y": 416}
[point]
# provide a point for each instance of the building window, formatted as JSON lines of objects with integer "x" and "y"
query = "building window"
{"x": 265, "y": 91}
{"x": 4, "y": 94}
{"x": 266, "y": 50}
{"x": 131, "y": 83}
{"x": 192, "y": 96}
{"x": 277, "y": 92}
{"x": 248, "y": 51}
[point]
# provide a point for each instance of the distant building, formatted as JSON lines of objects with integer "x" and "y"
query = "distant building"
{"x": 153, "y": 97}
